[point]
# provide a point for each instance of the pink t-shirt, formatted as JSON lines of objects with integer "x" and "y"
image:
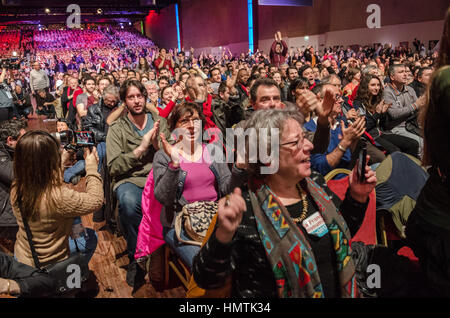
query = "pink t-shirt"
{"x": 200, "y": 180}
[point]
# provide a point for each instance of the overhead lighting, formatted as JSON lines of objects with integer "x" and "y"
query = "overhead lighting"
{"x": 99, "y": 11}
{"x": 14, "y": 53}
{"x": 306, "y": 38}
{"x": 47, "y": 10}
{"x": 129, "y": 23}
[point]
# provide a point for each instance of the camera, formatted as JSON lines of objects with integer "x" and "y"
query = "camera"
{"x": 10, "y": 64}
{"x": 74, "y": 140}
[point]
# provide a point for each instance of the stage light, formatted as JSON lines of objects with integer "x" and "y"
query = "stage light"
{"x": 250, "y": 25}
{"x": 99, "y": 11}
{"x": 14, "y": 53}
{"x": 129, "y": 23}
{"x": 306, "y": 38}
{"x": 47, "y": 10}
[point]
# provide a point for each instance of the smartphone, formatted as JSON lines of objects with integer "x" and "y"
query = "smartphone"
{"x": 84, "y": 138}
{"x": 362, "y": 164}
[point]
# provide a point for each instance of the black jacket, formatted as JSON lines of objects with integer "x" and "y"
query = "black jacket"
{"x": 227, "y": 114}
{"x": 31, "y": 281}
{"x": 95, "y": 120}
{"x": 428, "y": 232}
{"x": 7, "y": 218}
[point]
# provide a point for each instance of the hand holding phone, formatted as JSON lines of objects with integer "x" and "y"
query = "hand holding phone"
{"x": 362, "y": 162}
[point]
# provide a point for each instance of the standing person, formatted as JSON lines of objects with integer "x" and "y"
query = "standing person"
{"x": 10, "y": 133}
{"x": 278, "y": 50}
{"x": 131, "y": 144}
{"x": 69, "y": 95}
{"x": 428, "y": 226}
{"x": 38, "y": 78}
{"x": 164, "y": 61}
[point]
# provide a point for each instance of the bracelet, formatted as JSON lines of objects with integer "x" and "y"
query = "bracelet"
{"x": 341, "y": 148}
{"x": 9, "y": 287}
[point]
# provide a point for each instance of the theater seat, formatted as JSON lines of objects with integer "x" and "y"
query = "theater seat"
{"x": 367, "y": 233}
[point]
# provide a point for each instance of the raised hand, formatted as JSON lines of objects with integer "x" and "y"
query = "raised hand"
{"x": 171, "y": 150}
{"x": 361, "y": 191}
{"x": 229, "y": 215}
{"x": 151, "y": 138}
{"x": 306, "y": 101}
{"x": 352, "y": 114}
{"x": 325, "y": 108}
{"x": 354, "y": 131}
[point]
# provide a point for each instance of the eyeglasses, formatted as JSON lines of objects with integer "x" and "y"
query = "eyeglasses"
{"x": 298, "y": 143}
{"x": 187, "y": 121}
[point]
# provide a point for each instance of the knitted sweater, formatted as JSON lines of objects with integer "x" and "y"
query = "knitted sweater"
{"x": 51, "y": 228}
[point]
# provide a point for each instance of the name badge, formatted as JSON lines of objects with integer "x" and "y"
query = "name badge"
{"x": 315, "y": 225}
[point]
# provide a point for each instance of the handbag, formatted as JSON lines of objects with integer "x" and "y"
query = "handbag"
{"x": 59, "y": 271}
{"x": 194, "y": 220}
{"x": 194, "y": 291}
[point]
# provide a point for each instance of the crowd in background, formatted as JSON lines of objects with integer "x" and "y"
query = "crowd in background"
{"x": 328, "y": 106}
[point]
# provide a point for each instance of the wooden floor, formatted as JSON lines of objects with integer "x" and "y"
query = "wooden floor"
{"x": 110, "y": 259}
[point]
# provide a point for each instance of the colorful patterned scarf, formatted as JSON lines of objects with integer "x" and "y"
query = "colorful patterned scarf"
{"x": 288, "y": 250}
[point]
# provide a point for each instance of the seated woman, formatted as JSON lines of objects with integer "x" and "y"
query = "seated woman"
{"x": 428, "y": 226}
{"x": 369, "y": 101}
{"x": 287, "y": 236}
{"x": 38, "y": 195}
{"x": 168, "y": 100}
{"x": 188, "y": 173}
{"x": 354, "y": 77}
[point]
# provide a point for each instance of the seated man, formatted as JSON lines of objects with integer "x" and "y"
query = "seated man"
{"x": 95, "y": 122}
{"x": 405, "y": 104}
{"x": 343, "y": 140}
{"x": 131, "y": 144}
{"x": 10, "y": 132}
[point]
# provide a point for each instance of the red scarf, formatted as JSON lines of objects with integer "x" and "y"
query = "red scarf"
{"x": 210, "y": 126}
{"x": 244, "y": 89}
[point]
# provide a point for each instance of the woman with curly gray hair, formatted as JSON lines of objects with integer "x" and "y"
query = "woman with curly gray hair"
{"x": 287, "y": 235}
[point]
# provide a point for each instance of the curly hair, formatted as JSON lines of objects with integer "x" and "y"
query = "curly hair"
{"x": 364, "y": 95}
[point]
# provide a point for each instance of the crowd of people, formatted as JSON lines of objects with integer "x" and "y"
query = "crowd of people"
{"x": 161, "y": 120}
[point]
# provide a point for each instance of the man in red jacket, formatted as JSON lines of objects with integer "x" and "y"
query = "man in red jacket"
{"x": 278, "y": 51}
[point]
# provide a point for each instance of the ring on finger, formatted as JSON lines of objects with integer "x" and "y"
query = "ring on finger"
{"x": 227, "y": 201}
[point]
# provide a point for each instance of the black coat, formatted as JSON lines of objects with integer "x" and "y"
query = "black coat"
{"x": 7, "y": 218}
{"x": 95, "y": 120}
{"x": 32, "y": 282}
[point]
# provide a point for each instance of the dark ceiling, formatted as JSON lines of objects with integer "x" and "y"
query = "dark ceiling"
{"x": 112, "y": 11}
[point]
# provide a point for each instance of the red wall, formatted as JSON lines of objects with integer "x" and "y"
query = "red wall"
{"x": 335, "y": 15}
{"x": 213, "y": 23}
{"x": 162, "y": 28}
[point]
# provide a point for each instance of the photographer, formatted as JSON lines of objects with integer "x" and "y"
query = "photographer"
{"x": 10, "y": 132}
{"x": 7, "y": 109}
{"x": 38, "y": 195}
{"x": 22, "y": 101}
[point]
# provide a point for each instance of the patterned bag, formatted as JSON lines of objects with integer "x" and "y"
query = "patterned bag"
{"x": 194, "y": 220}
